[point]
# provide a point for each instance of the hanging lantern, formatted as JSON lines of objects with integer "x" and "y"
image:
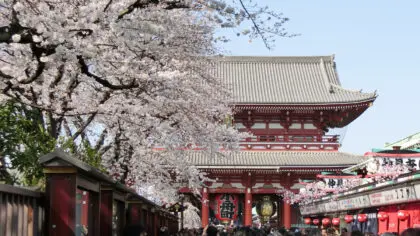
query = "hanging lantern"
{"x": 315, "y": 221}
{"x": 336, "y": 221}
{"x": 383, "y": 216}
{"x": 227, "y": 207}
{"x": 326, "y": 221}
{"x": 307, "y": 221}
{"x": 362, "y": 218}
{"x": 403, "y": 215}
{"x": 266, "y": 209}
{"x": 348, "y": 219}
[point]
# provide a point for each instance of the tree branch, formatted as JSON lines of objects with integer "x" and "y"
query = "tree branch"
{"x": 82, "y": 32}
{"x": 85, "y": 70}
{"x": 107, "y": 5}
{"x": 6, "y": 76}
{"x": 141, "y": 4}
{"x": 67, "y": 128}
{"x": 101, "y": 140}
{"x": 257, "y": 28}
{"x": 90, "y": 118}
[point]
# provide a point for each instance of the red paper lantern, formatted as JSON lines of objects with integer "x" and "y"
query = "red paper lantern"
{"x": 383, "y": 216}
{"x": 226, "y": 207}
{"x": 403, "y": 215}
{"x": 348, "y": 219}
{"x": 308, "y": 221}
{"x": 315, "y": 221}
{"x": 336, "y": 221}
{"x": 326, "y": 221}
{"x": 362, "y": 218}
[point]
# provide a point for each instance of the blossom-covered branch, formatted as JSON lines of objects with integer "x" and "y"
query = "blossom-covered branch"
{"x": 125, "y": 76}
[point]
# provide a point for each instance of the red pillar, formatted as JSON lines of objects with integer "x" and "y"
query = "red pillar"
{"x": 287, "y": 215}
{"x": 205, "y": 208}
{"x": 279, "y": 214}
{"x": 156, "y": 223}
{"x": 61, "y": 203}
{"x": 135, "y": 212}
{"x": 105, "y": 215}
{"x": 248, "y": 207}
{"x": 149, "y": 221}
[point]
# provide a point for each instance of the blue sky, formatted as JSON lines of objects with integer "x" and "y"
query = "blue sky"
{"x": 376, "y": 47}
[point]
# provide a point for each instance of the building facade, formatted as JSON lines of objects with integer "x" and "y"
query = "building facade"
{"x": 381, "y": 202}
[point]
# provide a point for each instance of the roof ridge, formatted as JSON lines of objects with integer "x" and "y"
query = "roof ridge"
{"x": 295, "y": 59}
{"x": 324, "y": 75}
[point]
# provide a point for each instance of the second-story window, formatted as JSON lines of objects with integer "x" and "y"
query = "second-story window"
{"x": 295, "y": 126}
{"x": 275, "y": 125}
{"x": 309, "y": 126}
{"x": 259, "y": 125}
{"x": 239, "y": 125}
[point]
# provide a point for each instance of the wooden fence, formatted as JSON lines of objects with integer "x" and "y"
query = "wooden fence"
{"x": 78, "y": 198}
{"x": 21, "y": 212}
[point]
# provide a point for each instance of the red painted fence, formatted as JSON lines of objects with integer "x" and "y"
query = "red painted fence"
{"x": 79, "y": 200}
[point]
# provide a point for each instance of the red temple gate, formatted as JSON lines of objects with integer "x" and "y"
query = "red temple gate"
{"x": 288, "y": 104}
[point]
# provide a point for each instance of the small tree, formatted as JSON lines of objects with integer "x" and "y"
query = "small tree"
{"x": 24, "y": 137}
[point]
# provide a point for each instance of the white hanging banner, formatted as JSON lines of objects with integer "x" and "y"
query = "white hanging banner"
{"x": 332, "y": 181}
{"x": 413, "y": 162}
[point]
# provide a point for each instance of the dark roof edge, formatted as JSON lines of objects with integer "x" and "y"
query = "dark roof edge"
{"x": 91, "y": 172}
{"x": 372, "y": 99}
{"x": 20, "y": 190}
{"x": 85, "y": 168}
{"x": 288, "y": 151}
{"x": 271, "y": 167}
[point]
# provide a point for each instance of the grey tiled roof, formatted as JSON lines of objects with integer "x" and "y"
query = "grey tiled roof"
{"x": 260, "y": 159}
{"x": 285, "y": 80}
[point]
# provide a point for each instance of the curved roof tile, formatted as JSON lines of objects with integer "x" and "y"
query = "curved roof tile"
{"x": 275, "y": 159}
{"x": 286, "y": 80}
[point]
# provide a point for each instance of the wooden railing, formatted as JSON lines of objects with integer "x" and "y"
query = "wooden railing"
{"x": 21, "y": 212}
{"x": 291, "y": 142}
{"x": 293, "y": 138}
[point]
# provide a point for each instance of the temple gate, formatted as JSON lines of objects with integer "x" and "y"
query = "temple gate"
{"x": 288, "y": 104}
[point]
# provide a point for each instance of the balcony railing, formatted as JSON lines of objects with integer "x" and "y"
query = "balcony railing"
{"x": 293, "y": 139}
{"x": 292, "y": 142}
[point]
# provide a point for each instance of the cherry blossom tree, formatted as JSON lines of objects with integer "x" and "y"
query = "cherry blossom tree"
{"x": 128, "y": 76}
{"x": 316, "y": 190}
{"x": 192, "y": 219}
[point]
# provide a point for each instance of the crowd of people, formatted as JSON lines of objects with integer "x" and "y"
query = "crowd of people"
{"x": 264, "y": 231}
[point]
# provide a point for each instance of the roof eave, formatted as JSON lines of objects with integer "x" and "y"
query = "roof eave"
{"x": 268, "y": 167}
{"x": 357, "y": 166}
{"x": 308, "y": 104}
